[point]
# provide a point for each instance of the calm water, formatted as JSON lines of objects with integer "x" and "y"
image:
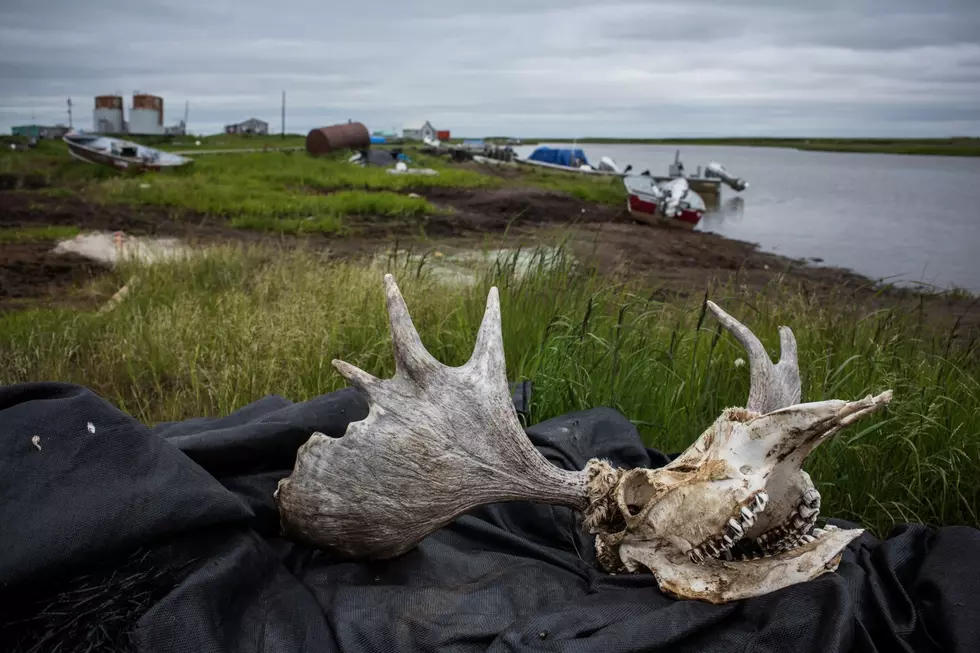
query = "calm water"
{"x": 905, "y": 219}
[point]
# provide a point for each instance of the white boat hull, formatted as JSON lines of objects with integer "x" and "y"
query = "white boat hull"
{"x": 120, "y": 154}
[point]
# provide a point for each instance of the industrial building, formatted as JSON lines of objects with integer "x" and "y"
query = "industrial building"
{"x": 250, "y": 126}
{"x": 146, "y": 116}
{"x": 108, "y": 115}
{"x": 180, "y": 129}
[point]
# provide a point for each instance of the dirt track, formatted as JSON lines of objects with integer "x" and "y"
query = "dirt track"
{"x": 678, "y": 260}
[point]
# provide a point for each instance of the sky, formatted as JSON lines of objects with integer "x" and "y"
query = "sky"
{"x": 545, "y": 68}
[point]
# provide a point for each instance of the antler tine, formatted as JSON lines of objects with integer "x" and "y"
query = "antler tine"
{"x": 488, "y": 353}
{"x": 357, "y": 377}
{"x": 411, "y": 356}
{"x": 771, "y": 387}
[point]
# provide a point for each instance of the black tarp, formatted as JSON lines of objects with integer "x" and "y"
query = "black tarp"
{"x": 114, "y": 536}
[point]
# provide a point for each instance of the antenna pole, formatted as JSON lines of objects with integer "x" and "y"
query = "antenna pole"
{"x": 284, "y": 115}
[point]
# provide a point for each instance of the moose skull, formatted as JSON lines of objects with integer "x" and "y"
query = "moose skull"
{"x": 732, "y": 517}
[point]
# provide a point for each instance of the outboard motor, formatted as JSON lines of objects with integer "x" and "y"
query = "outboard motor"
{"x": 718, "y": 171}
{"x": 607, "y": 164}
{"x": 676, "y": 191}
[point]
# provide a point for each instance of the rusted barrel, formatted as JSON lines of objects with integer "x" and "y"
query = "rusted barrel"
{"x": 349, "y": 135}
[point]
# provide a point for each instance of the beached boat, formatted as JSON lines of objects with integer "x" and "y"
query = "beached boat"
{"x": 571, "y": 160}
{"x": 663, "y": 202}
{"x": 117, "y": 153}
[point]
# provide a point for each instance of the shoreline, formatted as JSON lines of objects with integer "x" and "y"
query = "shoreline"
{"x": 672, "y": 261}
{"x": 957, "y": 147}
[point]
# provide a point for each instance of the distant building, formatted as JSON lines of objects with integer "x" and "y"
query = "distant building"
{"x": 180, "y": 129}
{"x": 443, "y": 134}
{"x": 39, "y": 131}
{"x": 415, "y": 131}
{"x": 250, "y": 126}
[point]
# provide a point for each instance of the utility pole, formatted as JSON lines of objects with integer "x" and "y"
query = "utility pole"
{"x": 187, "y": 107}
{"x": 70, "y": 125}
{"x": 284, "y": 115}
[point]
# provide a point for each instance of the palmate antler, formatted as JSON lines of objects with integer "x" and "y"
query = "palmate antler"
{"x": 438, "y": 441}
{"x": 733, "y": 516}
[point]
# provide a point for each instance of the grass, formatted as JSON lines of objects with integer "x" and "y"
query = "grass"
{"x": 211, "y": 334}
{"x": 335, "y": 206}
{"x": 263, "y": 188}
{"x": 40, "y": 233}
{"x": 956, "y": 146}
{"x": 601, "y": 189}
{"x": 256, "y": 188}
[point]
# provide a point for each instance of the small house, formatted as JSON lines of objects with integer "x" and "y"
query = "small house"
{"x": 38, "y": 132}
{"x": 250, "y": 126}
{"x": 418, "y": 131}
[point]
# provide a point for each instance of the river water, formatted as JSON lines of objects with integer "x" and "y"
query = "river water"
{"x": 901, "y": 219}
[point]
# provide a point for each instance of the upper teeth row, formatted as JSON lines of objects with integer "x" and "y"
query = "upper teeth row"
{"x": 734, "y": 531}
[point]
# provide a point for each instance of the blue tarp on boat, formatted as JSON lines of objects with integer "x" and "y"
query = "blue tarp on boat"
{"x": 561, "y": 157}
{"x": 377, "y": 139}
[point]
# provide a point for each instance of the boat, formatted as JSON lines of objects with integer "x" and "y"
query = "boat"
{"x": 663, "y": 202}
{"x": 571, "y": 160}
{"x": 706, "y": 184}
{"x": 121, "y": 154}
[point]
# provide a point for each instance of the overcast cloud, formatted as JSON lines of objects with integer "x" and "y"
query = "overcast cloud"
{"x": 508, "y": 67}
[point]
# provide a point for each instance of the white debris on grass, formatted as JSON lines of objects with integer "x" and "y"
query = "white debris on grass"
{"x": 111, "y": 248}
{"x": 118, "y": 297}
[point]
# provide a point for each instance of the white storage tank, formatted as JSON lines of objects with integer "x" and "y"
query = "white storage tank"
{"x": 108, "y": 115}
{"x": 146, "y": 116}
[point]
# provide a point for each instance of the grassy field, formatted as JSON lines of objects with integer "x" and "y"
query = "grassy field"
{"x": 286, "y": 192}
{"x": 211, "y": 334}
{"x": 963, "y": 146}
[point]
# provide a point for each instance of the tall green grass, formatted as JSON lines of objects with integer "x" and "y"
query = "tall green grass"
{"x": 333, "y": 208}
{"x": 208, "y": 335}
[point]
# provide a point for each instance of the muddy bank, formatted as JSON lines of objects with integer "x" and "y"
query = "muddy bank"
{"x": 31, "y": 274}
{"x": 680, "y": 261}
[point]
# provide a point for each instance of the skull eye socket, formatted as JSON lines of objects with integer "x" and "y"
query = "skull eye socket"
{"x": 636, "y": 493}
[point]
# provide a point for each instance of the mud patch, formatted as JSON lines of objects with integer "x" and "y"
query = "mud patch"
{"x": 32, "y": 274}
